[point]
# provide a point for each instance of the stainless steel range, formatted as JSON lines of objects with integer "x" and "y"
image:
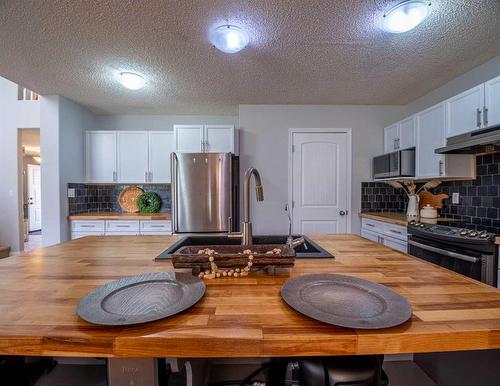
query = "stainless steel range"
{"x": 471, "y": 253}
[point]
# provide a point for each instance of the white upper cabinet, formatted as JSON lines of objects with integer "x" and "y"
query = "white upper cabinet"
{"x": 100, "y": 156}
{"x": 391, "y": 134}
{"x": 401, "y": 135}
{"x": 464, "y": 111}
{"x": 161, "y": 145}
{"x": 219, "y": 139}
{"x": 205, "y": 138}
{"x": 430, "y": 136}
{"x": 189, "y": 138}
{"x": 430, "y": 125}
{"x": 132, "y": 156}
{"x": 406, "y": 137}
{"x": 491, "y": 113}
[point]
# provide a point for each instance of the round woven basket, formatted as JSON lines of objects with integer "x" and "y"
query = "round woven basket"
{"x": 128, "y": 199}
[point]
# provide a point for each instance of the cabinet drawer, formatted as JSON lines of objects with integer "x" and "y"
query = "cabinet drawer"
{"x": 78, "y": 235}
{"x": 122, "y": 233}
{"x": 87, "y": 226}
{"x": 372, "y": 225}
{"x": 396, "y": 244}
{"x": 156, "y": 226}
{"x": 122, "y": 226}
{"x": 367, "y": 234}
{"x": 396, "y": 231}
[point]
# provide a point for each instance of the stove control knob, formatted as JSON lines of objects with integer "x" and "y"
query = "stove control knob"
{"x": 463, "y": 232}
{"x": 473, "y": 234}
{"x": 421, "y": 225}
{"x": 483, "y": 235}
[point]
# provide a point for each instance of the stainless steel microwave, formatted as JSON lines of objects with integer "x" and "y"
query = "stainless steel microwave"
{"x": 396, "y": 164}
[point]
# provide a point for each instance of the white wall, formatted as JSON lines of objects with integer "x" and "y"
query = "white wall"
{"x": 14, "y": 115}
{"x": 264, "y": 145}
{"x": 62, "y": 151}
{"x": 158, "y": 122}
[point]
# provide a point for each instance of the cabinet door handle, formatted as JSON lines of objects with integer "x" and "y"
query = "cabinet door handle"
{"x": 485, "y": 115}
{"x": 478, "y": 117}
{"x": 394, "y": 144}
{"x": 370, "y": 225}
{"x": 150, "y": 176}
{"x": 441, "y": 167}
{"x": 397, "y": 232}
{"x": 206, "y": 146}
{"x": 145, "y": 176}
{"x": 114, "y": 177}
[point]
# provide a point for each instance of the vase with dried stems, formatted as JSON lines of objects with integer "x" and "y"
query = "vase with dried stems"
{"x": 410, "y": 188}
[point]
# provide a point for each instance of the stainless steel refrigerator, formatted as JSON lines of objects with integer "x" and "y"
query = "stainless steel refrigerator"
{"x": 205, "y": 192}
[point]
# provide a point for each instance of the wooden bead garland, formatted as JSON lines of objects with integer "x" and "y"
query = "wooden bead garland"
{"x": 215, "y": 272}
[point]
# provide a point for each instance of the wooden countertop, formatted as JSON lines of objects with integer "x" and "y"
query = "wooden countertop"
{"x": 120, "y": 216}
{"x": 399, "y": 218}
{"x": 242, "y": 317}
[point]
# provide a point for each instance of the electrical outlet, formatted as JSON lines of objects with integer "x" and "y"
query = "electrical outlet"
{"x": 71, "y": 192}
{"x": 455, "y": 198}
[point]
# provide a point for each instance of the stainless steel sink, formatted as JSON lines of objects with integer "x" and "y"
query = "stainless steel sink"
{"x": 313, "y": 251}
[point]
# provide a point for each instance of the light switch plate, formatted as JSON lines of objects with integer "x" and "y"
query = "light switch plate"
{"x": 455, "y": 198}
{"x": 71, "y": 192}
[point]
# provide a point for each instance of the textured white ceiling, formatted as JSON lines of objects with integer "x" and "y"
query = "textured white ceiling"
{"x": 301, "y": 51}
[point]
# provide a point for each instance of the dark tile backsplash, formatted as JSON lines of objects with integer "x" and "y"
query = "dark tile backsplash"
{"x": 380, "y": 197}
{"x": 479, "y": 206}
{"x": 104, "y": 198}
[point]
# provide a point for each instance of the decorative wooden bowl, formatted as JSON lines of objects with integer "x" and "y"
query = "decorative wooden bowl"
{"x": 128, "y": 199}
{"x": 232, "y": 256}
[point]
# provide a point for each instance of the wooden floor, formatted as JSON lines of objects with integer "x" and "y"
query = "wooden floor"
{"x": 242, "y": 317}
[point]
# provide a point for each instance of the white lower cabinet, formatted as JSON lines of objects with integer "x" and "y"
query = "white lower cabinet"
{"x": 82, "y": 228}
{"x": 390, "y": 235}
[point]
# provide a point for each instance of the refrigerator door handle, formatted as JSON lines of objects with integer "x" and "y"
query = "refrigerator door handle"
{"x": 174, "y": 182}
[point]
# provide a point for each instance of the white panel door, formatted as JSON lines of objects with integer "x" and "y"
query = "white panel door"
{"x": 34, "y": 198}
{"x": 391, "y": 135}
{"x": 464, "y": 111}
{"x": 430, "y": 136}
{"x": 161, "y": 145}
{"x": 407, "y": 133}
{"x": 319, "y": 183}
{"x": 219, "y": 139}
{"x": 100, "y": 156}
{"x": 188, "y": 138}
{"x": 492, "y": 102}
{"x": 132, "y": 156}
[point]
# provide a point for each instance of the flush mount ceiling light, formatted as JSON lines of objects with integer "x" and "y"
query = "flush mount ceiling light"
{"x": 132, "y": 81}
{"x": 406, "y": 16}
{"x": 229, "y": 38}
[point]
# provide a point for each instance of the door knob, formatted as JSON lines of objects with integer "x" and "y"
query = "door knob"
{"x": 342, "y": 213}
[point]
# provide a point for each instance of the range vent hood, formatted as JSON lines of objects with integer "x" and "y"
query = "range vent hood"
{"x": 477, "y": 142}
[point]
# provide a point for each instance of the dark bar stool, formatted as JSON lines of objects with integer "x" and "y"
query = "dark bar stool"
{"x": 344, "y": 370}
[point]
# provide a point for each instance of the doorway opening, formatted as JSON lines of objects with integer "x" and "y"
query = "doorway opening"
{"x": 31, "y": 188}
{"x": 319, "y": 183}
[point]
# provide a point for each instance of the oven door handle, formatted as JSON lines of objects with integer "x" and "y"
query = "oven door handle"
{"x": 445, "y": 252}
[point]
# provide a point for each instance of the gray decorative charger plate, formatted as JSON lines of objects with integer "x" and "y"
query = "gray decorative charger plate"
{"x": 141, "y": 298}
{"x": 346, "y": 301}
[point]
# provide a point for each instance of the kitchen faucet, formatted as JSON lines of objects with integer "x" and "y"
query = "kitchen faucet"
{"x": 290, "y": 242}
{"x": 246, "y": 233}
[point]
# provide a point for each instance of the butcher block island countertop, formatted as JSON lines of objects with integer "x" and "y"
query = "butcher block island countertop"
{"x": 238, "y": 317}
{"x": 120, "y": 216}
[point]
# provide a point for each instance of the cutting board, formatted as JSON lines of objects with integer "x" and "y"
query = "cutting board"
{"x": 434, "y": 200}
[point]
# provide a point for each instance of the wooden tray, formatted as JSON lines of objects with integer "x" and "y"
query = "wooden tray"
{"x": 128, "y": 199}
{"x": 232, "y": 256}
{"x": 346, "y": 301}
